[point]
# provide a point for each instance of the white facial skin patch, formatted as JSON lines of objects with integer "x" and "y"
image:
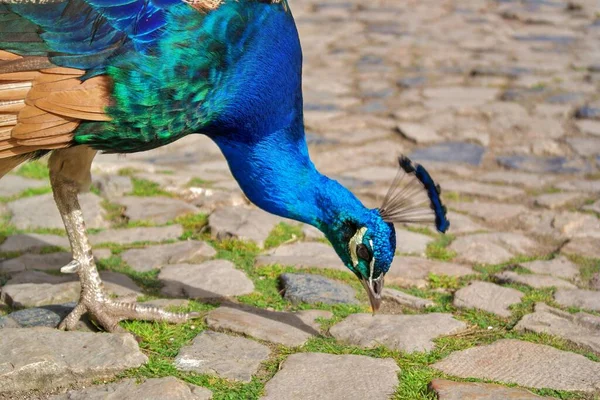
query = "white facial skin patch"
{"x": 354, "y": 242}
{"x": 372, "y": 264}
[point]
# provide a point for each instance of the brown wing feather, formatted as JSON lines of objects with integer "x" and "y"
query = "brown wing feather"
{"x": 41, "y": 104}
{"x": 82, "y": 102}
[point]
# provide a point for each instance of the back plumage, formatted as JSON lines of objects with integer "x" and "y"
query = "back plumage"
{"x": 135, "y": 75}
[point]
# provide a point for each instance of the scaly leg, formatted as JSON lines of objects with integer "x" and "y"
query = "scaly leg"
{"x": 69, "y": 173}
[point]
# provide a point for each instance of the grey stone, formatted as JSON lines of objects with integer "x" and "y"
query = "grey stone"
{"x": 414, "y": 271}
{"x": 119, "y": 285}
{"x": 587, "y": 299}
{"x": 542, "y": 164}
{"x": 48, "y": 316}
{"x": 449, "y": 390}
{"x": 525, "y": 364}
{"x": 210, "y": 199}
{"x": 540, "y": 223}
{"x": 134, "y": 235}
{"x": 517, "y": 178}
{"x": 419, "y": 133}
{"x": 559, "y": 267}
{"x": 533, "y": 280}
{"x": 587, "y": 247}
{"x": 579, "y": 185}
{"x": 595, "y": 207}
{"x": 41, "y": 212}
{"x": 408, "y": 242}
{"x": 408, "y": 333}
{"x": 488, "y": 297}
{"x": 573, "y": 224}
{"x": 222, "y": 355}
{"x": 406, "y": 299}
{"x": 450, "y": 152}
{"x": 289, "y": 329}
{"x": 44, "y": 358}
{"x": 155, "y": 257}
{"x": 211, "y": 279}
{"x": 482, "y": 189}
{"x": 159, "y": 210}
{"x": 492, "y": 248}
{"x": 113, "y": 186}
{"x": 371, "y": 175}
{"x": 349, "y": 377}
{"x": 311, "y": 233}
{"x": 459, "y": 96}
{"x": 595, "y": 281}
{"x": 585, "y": 146}
{"x": 581, "y": 328}
{"x": 588, "y": 112}
{"x": 44, "y": 262}
{"x": 588, "y": 127}
{"x": 491, "y": 212}
{"x": 13, "y": 185}
{"x": 32, "y": 242}
{"x": 34, "y": 288}
{"x": 151, "y": 389}
{"x": 242, "y": 223}
{"x": 309, "y": 288}
{"x": 463, "y": 224}
{"x": 171, "y": 182}
{"x": 303, "y": 255}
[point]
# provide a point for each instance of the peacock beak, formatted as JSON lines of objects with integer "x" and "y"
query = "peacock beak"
{"x": 374, "y": 288}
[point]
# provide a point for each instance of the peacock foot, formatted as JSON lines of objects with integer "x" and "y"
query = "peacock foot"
{"x": 107, "y": 312}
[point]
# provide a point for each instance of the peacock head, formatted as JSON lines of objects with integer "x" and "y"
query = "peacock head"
{"x": 366, "y": 244}
{"x": 365, "y": 240}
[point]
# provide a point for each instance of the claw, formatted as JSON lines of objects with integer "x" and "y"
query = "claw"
{"x": 71, "y": 268}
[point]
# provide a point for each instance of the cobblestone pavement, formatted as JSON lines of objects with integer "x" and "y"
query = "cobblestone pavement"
{"x": 498, "y": 99}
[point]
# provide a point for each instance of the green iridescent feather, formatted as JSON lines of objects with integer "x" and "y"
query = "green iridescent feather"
{"x": 175, "y": 89}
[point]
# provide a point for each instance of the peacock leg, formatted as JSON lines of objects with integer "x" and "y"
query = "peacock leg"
{"x": 69, "y": 173}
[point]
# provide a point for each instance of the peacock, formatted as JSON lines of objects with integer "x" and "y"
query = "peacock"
{"x": 123, "y": 76}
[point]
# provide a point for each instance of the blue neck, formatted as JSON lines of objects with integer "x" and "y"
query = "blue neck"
{"x": 259, "y": 127}
{"x": 278, "y": 176}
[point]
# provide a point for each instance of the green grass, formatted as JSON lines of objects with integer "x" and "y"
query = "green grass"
{"x": 283, "y": 233}
{"x": 420, "y": 229}
{"x": 27, "y": 193}
{"x": 128, "y": 171}
{"x": 198, "y": 182}
{"x": 146, "y": 188}
{"x": 194, "y": 226}
{"x": 148, "y": 281}
{"x": 443, "y": 281}
{"x": 34, "y": 170}
{"x": 114, "y": 213}
{"x": 587, "y": 268}
{"x": 438, "y": 249}
{"x": 455, "y": 196}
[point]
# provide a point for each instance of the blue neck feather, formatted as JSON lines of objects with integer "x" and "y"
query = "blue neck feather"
{"x": 261, "y": 133}
{"x": 279, "y": 177}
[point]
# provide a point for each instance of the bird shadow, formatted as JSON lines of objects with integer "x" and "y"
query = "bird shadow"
{"x": 288, "y": 318}
{"x": 294, "y": 320}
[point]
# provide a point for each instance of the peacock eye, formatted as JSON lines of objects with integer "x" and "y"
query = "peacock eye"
{"x": 363, "y": 252}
